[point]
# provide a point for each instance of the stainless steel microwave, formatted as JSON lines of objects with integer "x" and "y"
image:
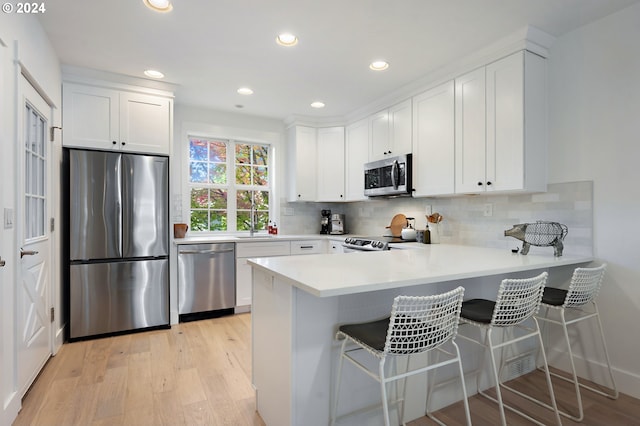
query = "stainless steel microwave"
{"x": 388, "y": 177}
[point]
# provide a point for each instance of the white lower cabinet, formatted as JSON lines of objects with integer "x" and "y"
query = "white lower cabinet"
{"x": 307, "y": 247}
{"x": 248, "y": 250}
{"x": 336, "y": 246}
{"x": 252, "y": 249}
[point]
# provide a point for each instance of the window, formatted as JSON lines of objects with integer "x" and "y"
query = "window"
{"x": 225, "y": 179}
{"x": 35, "y": 174}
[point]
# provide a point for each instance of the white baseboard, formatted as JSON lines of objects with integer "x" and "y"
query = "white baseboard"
{"x": 596, "y": 371}
{"x": 10, "y": 409}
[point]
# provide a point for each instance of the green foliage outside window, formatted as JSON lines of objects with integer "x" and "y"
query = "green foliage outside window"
{"x": 209, "y": 161}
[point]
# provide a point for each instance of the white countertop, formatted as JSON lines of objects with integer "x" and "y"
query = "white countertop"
{"x": 205, "y": 239}
{"x": 325, "y": 275}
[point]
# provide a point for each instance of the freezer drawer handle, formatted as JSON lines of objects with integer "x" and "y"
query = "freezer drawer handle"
{"x": 24, "y": 253}
{"x": 204, "y": 251}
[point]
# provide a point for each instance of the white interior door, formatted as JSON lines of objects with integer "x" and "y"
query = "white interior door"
{"x": 33, "y": 298}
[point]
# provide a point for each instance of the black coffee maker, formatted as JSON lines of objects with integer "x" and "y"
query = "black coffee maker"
{"x": 325, "y": 222}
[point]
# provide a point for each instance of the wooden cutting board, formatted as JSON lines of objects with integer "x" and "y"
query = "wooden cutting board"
{"x": 398, "y": 222}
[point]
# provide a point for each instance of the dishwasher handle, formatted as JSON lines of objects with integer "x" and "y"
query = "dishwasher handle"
{"x": 205, "y": 251}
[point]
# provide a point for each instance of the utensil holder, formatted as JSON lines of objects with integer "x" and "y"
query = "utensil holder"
{"x": 434, "y": 231}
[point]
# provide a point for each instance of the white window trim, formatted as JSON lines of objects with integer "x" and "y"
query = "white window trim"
{"x": 231, "y": 188}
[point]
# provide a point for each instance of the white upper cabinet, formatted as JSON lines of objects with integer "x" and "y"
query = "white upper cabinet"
{"x": 109, "y": 119}
{"x": 501, "y": 134}
{"x": 301, "y": 155}
{"x": 145, "y": 123}
{"x": 390, "y": 132}
{"x": 470, "y": 137}
{"x": 434, "y": 141}
{"x": 356, "y": 155}
{"x": 330, "y": 164}
{"x": 400, "y": 129}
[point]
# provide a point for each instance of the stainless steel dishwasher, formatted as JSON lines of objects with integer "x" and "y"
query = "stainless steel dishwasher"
{"x": 206, "y": 280}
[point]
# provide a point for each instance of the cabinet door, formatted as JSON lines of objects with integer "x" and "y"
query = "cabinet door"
{"x": 470, "y": 132}
{"x": 145, "y": 123}
{"x": 243, "y": 283}
{"x": 400, "y": 129}
{"x": 330, "y": 164}
{"x": 306, "y": 247}
{"x": 434, "y": 141}
{"x": 335, "y": 247}
{"x": 356, "y": 155}
{"x": 90, "y": 117}
{"x": 505, "y": 123}
{"x": 379, "y": 135}
{"x": 302, "y": 164}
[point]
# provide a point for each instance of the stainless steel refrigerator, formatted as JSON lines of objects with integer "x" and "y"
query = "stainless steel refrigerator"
{"x": 118, "y": 224}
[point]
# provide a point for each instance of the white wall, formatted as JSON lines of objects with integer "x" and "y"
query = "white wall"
{"x": 25, "y": 40}
{"x": 594, "y": 124}
{"x": 190, "y": 120}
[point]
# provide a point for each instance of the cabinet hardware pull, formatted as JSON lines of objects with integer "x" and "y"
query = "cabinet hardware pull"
{"x": 489, "y": 183}
{"x": 204, "y": 251}
{"x": 306, "y": 247}
{"x": 479, "y": 183}
{"x": 114, "y": 142}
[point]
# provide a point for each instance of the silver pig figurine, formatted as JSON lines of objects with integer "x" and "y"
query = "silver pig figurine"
{"x": 541, "y": 234}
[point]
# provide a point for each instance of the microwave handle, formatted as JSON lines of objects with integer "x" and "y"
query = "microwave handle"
{"x": 395, "y": 174}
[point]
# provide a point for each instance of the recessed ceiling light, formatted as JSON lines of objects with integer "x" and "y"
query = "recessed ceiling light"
{"x": 153, "y": 74}
{"x": 317, "y": 104}
{"x": 158, "y": 5}
{"x": 287, "y": 39}
{"x": 379, "y": 65}
{"x": 245, "y": 91}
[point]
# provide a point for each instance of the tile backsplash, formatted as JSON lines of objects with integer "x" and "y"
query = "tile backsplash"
{"x": 464, "y": 220}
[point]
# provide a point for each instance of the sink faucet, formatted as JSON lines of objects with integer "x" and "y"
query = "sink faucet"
{"x": 252, "y": 218}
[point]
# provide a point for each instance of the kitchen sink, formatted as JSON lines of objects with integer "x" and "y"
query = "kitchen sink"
{"x": 255, "y": 237}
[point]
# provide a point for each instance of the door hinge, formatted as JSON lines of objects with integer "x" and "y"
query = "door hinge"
{"x": 53, "y": 314}
{"x": 53, "y": 224}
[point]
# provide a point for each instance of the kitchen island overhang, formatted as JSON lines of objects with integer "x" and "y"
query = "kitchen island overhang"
{"x": 327, "y": 275}
{"x": 299, "y": 302}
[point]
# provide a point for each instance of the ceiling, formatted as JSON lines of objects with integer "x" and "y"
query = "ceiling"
{"x": 209, "y": 49}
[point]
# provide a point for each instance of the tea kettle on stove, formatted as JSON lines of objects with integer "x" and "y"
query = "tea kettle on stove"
{"x": 408, "y": 233}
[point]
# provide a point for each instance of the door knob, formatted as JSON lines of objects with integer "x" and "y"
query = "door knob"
{"x": 24, "y": 253}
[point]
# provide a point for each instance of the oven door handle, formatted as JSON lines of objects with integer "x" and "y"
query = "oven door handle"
{"x": 395, "y": 174}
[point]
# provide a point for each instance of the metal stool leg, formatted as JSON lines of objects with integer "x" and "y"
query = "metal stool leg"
{"x": 334, "y": 412}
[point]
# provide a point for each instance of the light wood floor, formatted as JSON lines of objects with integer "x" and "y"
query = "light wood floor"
{"x": 198, "y": 373}
{"x": 194, "y": 373}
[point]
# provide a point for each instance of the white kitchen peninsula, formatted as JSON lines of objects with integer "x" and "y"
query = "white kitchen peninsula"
{"x": 299, "y": 301}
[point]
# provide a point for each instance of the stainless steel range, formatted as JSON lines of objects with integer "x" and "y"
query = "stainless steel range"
{"x": 353, "y": 244}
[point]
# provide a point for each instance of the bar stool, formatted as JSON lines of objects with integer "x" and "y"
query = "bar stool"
{"x": 416, "y": 325}
{"x": 517, "y": 302}
{"x": 579, "y": 302}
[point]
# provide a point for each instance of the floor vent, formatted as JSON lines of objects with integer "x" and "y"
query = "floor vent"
{"x": 520, "y": 366}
